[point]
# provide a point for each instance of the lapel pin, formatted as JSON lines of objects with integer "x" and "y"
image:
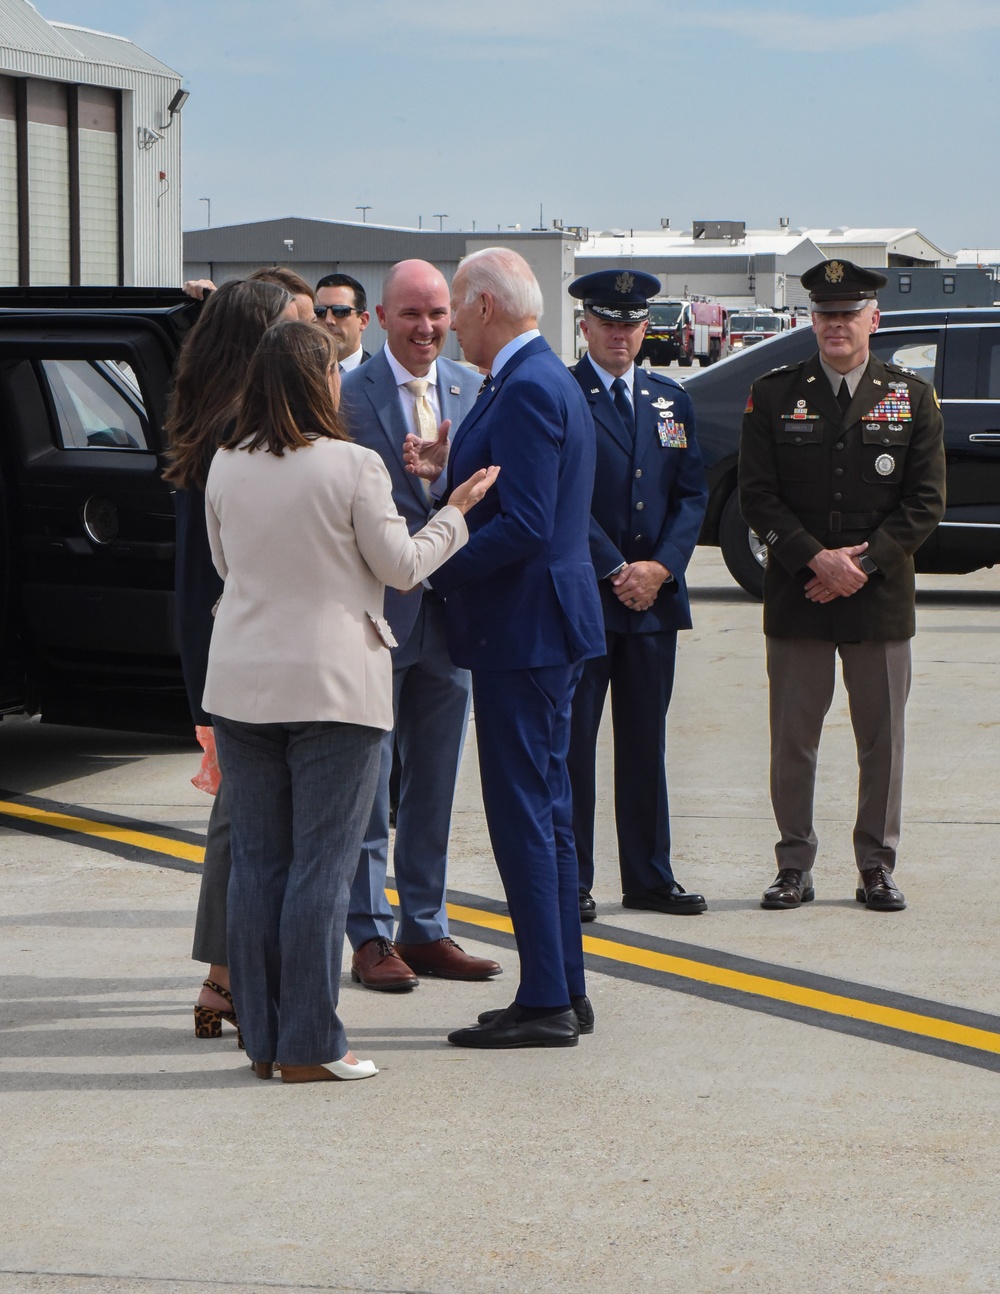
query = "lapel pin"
{"x": 644, "y": 392}
{"x": 810, "y": 379}
{"x": 455, "y": 390}
{"x": 595, "y": 390}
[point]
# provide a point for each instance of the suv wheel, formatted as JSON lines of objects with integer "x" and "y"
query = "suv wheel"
{"x": 744, "y": 554}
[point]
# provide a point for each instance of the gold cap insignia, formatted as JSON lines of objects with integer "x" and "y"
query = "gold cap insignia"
{"x": 625, "y": 282}
{"x": 834, "y": 272}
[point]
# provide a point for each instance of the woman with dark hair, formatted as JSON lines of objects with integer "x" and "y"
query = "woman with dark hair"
{"x": 204, "y": 402}
{"x": 306, "y": 536}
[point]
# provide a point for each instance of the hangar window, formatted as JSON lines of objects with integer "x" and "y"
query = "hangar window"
{"x": 97, "y": 404}
{"x": 948, "y": 283}
{"x": 905, "y": 283}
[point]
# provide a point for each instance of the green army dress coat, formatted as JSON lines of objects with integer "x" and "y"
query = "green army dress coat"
{"x": 812, "y": 477}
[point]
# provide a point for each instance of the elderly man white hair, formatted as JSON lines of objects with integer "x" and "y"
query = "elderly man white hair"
{"x": 506, "y": 277}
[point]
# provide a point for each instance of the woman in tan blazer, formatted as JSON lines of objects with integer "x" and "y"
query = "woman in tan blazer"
{"x": 305, "y": 534}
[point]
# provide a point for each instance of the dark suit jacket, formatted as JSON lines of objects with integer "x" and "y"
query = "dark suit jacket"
{"x": 812, "y": 477}
{"x": 370, "y": 406}
{"x": 522, "y": 593}
{"x": 649, "y": 498}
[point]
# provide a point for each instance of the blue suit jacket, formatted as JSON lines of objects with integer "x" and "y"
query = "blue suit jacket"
{"x": 370, "y": 407}
{"x": 649, "y": 498}
{"x": 522, "y": 594}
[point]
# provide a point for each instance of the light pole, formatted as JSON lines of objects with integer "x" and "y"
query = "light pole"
{"x": 440, "y": 219}
{"x": 209, "y": 201}
{"x": 364, "y": 213}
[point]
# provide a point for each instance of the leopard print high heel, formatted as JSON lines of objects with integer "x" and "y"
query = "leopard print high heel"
{"x": 208, "y": 1019}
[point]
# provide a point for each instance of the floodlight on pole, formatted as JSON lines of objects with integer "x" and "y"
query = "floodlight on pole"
{"x": 364, "y": 213}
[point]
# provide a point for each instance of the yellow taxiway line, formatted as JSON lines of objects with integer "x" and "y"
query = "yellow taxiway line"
{"x": 105, "y": 831}
{"x": 777, "y": 990}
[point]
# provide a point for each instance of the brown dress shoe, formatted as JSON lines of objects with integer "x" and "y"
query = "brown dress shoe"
{"x": 790, "y": 889}
{"x": 878, "y": 891}
{"x": 377, "y": 965}
{"x": 444, "y": 958}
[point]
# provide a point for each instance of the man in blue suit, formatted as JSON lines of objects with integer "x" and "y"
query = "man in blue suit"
{"x": 523, "y": 613}
{"x": 649, "y": 502}
{"x": 407, "y": 389}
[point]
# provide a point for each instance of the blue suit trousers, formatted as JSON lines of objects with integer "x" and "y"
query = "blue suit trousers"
{"x": 431, "y": 712}
{"x": 522, "y": 733}
{"x": 640, "y": 671}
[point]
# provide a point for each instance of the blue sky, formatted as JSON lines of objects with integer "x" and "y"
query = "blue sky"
{"x": 611, "y": 113}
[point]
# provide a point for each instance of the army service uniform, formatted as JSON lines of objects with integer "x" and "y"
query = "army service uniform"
{"x": 812, "y": 476}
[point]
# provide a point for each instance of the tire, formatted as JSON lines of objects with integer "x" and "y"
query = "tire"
{"x": 742, "y": 551}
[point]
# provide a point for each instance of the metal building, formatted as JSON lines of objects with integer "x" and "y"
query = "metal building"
{"x": 314, "y": 248}
{"x": 727, "y": 262}
{"x": 90, "y": 157}
{"x": 721, "y": 260}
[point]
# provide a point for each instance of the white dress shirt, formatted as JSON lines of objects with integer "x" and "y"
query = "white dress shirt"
{"x": 511, "y": 349}
{"x": 406, "y": 398}
{"x": 349, "y": 364}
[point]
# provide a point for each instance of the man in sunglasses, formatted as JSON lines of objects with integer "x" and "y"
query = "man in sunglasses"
{"x": 342, "y": 306}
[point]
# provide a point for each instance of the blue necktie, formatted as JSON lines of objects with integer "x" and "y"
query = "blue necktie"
{"x": 619, "y": 393}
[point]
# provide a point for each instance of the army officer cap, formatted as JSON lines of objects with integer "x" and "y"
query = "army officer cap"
{"x": 619, "y": 295}
{"x": 836, "y": 287}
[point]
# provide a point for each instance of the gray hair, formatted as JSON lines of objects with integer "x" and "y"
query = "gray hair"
{"x": 507, "y": 277}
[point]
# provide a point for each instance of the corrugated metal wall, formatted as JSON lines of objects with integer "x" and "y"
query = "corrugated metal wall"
{"x": 151, "y": 206}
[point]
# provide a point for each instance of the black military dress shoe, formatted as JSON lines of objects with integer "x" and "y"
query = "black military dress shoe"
{"x": 582, "y": 1009}
{"x": 666, "y": 898}
{"x": 588, "y": 908}
{"x": 878, "y": 891}
{"x": 790, "y": 889}
{"x": 513, "y": 1027}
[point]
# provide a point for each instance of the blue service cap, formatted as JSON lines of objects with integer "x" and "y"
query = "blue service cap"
{"x": 620, "y": 295}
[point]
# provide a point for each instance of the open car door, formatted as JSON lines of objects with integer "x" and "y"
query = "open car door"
{"x": 88, "y": 522}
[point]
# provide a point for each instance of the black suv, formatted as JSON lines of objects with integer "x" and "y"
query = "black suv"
{"x": 958, "y": 350}
{"x": 86, "y": 522}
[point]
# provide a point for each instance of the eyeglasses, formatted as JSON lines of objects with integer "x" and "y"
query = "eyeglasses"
{"x": 338, "y": 312}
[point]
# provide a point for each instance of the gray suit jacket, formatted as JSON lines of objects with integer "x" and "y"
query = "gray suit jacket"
{"x": 371, "y": 409}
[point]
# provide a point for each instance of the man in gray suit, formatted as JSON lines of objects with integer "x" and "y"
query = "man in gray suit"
{"x": 406, "y": 389}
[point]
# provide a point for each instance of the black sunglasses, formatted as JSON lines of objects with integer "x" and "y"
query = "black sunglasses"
{"x": 339, "y": 312}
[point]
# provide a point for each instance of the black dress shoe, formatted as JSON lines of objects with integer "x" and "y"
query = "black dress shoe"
{"x": 581, "y": 1007}
{"x": 588, "y": 908}
{"x": 512, "y": 1029}
{"x": 790, "y": 889}
{"x": 668, "y": 897}
{"x": 878, "y": 891}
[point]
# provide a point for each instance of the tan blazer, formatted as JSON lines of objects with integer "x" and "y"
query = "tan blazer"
{"x": 306, "y": 544}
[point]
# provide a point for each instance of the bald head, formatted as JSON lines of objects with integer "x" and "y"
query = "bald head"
{"x": 415, "y": 313}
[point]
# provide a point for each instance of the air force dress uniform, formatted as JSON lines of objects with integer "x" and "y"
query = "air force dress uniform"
{"x": 648, "y": 504}
{"x": 821, "y": 472}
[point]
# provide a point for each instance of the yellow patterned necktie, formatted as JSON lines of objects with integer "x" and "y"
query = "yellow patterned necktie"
{"x": 423, "y": 414}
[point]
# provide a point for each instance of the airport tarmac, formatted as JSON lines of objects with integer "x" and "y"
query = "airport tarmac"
{"x": 772, "y": 1102}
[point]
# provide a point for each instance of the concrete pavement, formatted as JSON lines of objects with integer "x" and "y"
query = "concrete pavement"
{"x": 691, "y": 1145}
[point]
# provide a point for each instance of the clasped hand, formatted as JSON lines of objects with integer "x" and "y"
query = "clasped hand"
{"x": 636, "y": 586}
{"x": 837, "y": 574}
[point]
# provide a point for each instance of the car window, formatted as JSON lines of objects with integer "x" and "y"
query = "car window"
{"x": 988, "y": 384}
{"x": 98, "y": 404}
{"x": 916, "y": 351}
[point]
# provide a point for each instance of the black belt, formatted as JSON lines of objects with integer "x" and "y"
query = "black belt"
{"x": 836, "y": 521}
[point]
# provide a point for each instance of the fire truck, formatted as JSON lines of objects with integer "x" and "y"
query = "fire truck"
{"x": 702, "y": 333}
{"x": 685, "y": 331}
{"x": 746, "y": 327}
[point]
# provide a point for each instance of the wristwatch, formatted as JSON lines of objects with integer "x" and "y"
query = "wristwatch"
{"x": 867, "y": 565}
